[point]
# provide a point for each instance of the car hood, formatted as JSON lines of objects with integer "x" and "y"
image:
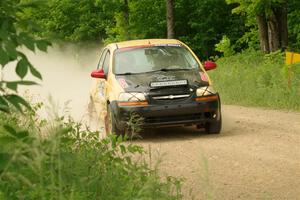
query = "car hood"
{"x": 141, "y": 82}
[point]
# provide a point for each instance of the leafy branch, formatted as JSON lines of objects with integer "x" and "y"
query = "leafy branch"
{"x": 14, "y": 34}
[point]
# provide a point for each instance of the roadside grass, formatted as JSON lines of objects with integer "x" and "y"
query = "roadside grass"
{"x": 61, "y": 159}
{"x": 253, "y": 79}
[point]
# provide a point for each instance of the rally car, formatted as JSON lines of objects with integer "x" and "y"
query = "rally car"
{"x": 160, "y": 80}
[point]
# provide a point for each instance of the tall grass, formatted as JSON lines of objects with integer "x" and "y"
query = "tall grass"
{"x": 62, "y": 160}
{"x": 253, "y": 79}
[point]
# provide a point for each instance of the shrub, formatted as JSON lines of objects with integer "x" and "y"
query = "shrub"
{"x": 64, "y": 161}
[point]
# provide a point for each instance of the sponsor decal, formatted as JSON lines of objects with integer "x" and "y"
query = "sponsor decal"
{"x": 167, "y": 45}
{"x": 161, "y": 77}
{"x": 168, "y": 83}
{"x": 203, "y": 77}
{"x": 123, "y": 83}
{"x": 101, "y": 89}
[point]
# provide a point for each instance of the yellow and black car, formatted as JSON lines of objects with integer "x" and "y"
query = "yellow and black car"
{"x": 160, "y": 80}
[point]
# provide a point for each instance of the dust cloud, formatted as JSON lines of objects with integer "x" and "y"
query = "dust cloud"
{"x": 66, "y": 80}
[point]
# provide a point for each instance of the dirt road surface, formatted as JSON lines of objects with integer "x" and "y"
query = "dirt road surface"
{"x": 257, "y": 156}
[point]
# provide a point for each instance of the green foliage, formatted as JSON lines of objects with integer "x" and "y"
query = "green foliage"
{"x": 253, "y": 7}
{"x": 253, "y": 79}
{"x": 202, "y": 24}
{"x": 201, "y": 28}
{"x": 14, "y": 33}
{"x": 134, "y": 125}
{"x": 67, "y": 162}
{"x": 146, "y": 20}
{"x": 74, "y": 20}
{"x": 294, "y": 25}
{"x": 225, "y": 47}
{"x": 199, "y": 23}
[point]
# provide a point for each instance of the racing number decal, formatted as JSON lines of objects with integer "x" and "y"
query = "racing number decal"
{"x": 203, "y": 77}
{"x": 123, "y": 83}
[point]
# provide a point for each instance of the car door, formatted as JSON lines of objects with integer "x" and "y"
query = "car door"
{"x": 98, "y": 92}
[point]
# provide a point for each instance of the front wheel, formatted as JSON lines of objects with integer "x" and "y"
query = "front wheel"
{"x": 110, "y": 123}
{"x": 214, "y": 127}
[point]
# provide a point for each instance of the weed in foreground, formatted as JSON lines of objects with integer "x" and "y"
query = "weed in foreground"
{"x": 71, "y": 163}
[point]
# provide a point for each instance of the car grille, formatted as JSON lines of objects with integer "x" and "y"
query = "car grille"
{"x": 162, "y": 119}
{"x": 170, "y": 94}
{"x": 178, "y": 118}
{"x": 168, "y": 97}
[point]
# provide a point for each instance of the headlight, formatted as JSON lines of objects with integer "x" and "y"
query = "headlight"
{"x": 132, "y": 97}
{"x": 204, "y": 91}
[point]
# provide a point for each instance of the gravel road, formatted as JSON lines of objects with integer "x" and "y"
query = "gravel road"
{"x": 257, "y": 156}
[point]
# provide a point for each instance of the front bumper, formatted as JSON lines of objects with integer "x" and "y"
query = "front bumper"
{"x": 177, "y": 113}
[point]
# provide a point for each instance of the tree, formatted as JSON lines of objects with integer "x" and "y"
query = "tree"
{"x": 170, "y": 19}
{"x": 126, "y": 19}
{"x": 294, "y": 24}
{"x": 202, "y": 24}
{"x": 75, "y": 21}
{"x": 271, "y": 19}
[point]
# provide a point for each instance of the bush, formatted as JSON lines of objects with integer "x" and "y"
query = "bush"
{"x": 254, "y": 79}
{"x": 63, "y": 161}
{"x": 225, "y": 47}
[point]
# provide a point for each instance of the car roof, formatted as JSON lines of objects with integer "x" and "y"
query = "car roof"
{"x": 133, "y": 43}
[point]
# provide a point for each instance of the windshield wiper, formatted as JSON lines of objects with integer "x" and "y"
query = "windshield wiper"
{"x": 127, "y": 73}
{"x": 159, "y": 70}
{"x": 169, "y": 69}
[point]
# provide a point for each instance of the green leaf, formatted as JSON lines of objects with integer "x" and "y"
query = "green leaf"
{"x": 11, "y": 50}
{"x": 4, "y": 140}
{"x": 22, "y": 68}
{"x": 3, "y": 102}
{"x": 4, "y": 59}
{"x": 3, "y": 34}
{"x": 10, "y": 129}
{"x": 4, "y": 160}
{"x": 4, "y": 108}
{"x": 123, "y": 149}
{"x": 27, "y": 41}
{"x": 35, "y": 73}
{"x": 23, "y": 82}
{"x": 13, "y": 133}
{"x": 22, "y": 134}
{"x": 17, "y": 102}
{"x": 42, "y": 45}
{"x": 12, "y": 85}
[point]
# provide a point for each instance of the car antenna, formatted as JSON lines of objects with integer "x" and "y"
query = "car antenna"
{"x": 117, "y": 45}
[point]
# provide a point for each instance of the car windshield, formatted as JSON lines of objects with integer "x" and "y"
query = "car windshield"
{"x": 153, "y": 58}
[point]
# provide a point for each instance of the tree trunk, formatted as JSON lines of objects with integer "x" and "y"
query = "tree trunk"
{"x": 273, "y": 32}
{"x": 263, "y": 33}
{"x": 281, "y": 16}
{"x": 170, "y": 19}
{"x": 126, "y": 19}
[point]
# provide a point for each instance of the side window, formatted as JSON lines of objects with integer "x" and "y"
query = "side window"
{"x": 100, "y": 63}
{"x": 106, "y": 63}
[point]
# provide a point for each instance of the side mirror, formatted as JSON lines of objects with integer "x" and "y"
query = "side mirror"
{"x": 98, "y": 74}
{"x": 209, "y": 65}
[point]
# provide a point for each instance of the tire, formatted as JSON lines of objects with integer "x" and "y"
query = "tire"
{"x": 214, "y": 127}
{"x": 110, "y": 123}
